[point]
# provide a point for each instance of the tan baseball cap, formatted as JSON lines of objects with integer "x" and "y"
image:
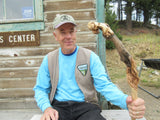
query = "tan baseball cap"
{"x": 61, "y": 19}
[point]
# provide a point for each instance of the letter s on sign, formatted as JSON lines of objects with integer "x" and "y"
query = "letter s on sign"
{"x": 1, "y": 39}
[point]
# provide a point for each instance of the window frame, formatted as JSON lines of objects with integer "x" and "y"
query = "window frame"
{"x": 25, "y": 25}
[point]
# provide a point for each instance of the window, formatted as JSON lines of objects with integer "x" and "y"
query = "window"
{"x": 1, "y": 9}
{"x": 21, "y": 15}
{"x": 18, "y": 10}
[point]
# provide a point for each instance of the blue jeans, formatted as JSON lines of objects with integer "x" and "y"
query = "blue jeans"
{"x": 71, "y": 110}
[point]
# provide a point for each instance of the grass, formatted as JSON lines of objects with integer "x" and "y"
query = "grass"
{"x": 142, "y": 45}
{"x": 149, "y": 78}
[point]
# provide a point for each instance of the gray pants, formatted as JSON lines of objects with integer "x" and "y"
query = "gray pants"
{"x": 71, "y": 110}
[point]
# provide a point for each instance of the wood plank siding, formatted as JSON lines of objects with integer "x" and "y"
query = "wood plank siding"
{"x": 19, "y": 65}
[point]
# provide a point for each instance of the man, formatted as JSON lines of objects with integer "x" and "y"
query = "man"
{"x": 69, "y": 77}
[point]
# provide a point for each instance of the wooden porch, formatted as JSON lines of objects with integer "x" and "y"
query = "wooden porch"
{"x": 108, "y": 114}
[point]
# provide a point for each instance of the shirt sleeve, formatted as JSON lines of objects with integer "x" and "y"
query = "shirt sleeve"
{"x": 43, "y": 86}
{"x": 103, "y": 84}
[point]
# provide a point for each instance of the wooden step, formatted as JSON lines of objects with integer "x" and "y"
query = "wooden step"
{"x": 18, "y": 114}
{"x": 11, "y": 62}
{"x": 117, "y": 115}
{"x": 16, "y": 92}
{"x": 107, "y": 114}
{"x": 68, "y": 5}
{"x": 18, "y": 103}
{"x": 27, "y": 82}
{"x": 20, "y": 72}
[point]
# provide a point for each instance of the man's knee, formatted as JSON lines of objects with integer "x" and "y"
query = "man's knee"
{"x": 92, "y": 115}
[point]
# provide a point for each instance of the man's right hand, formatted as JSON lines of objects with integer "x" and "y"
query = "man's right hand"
{"x": 50, "y": 114}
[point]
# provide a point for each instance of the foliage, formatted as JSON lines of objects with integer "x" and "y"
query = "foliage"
{"x": 137, "y": 44}
{"x": 110, "y": 19}
{"x": 157, "y": 10}
{"x": 145, "y": 9}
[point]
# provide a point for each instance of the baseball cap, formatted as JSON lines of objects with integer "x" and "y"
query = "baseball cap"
{"x": 61, "y": 19}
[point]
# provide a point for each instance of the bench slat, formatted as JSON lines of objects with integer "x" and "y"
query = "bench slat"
{"x": 108, "y": 114}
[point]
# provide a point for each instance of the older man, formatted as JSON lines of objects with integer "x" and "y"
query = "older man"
{"x": 69, "y": 77}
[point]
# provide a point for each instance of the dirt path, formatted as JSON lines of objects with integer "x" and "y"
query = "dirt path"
{"x": 152, "y": 103}
{"x": 117, "y": 74}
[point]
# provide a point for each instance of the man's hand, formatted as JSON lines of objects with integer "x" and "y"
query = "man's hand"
{"x": 50, "y": 114}
{"x": 136, "y": 108}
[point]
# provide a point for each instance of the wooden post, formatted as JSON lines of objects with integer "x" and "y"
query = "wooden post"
{"x": 101, "y": 44}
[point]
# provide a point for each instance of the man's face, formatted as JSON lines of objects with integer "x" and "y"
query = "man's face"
{"x": 66, "y": 36}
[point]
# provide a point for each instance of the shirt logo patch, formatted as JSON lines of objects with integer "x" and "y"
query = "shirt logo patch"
{"x": 83, "y": 69}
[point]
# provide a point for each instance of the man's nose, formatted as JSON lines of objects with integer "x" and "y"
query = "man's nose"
{"x": 68, "y": 35}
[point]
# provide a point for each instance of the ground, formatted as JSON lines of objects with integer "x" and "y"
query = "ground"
{"x": 117, "y": 70}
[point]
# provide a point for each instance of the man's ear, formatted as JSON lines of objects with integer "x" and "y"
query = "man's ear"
{"x": 54, "y": 34}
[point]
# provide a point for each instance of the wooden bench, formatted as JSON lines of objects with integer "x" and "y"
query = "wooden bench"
{"x": 108, "y": 114}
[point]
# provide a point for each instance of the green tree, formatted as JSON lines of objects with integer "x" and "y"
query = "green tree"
{"x": 156, "y": 9}
{"x": 128, "y": 11}
{"x": 110, "y": 19}
{"x": 147, "y": 7}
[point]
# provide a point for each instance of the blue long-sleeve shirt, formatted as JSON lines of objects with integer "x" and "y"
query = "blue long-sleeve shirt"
{"x": 68, "y": 89}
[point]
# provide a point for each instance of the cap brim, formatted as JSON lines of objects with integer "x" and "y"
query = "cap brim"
{"x": 63, "y": 23}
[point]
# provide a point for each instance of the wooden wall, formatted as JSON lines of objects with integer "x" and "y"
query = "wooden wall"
{"x": 19, "y": 65}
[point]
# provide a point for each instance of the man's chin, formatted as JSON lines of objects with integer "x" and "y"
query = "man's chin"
{"x": 70, "y": 47}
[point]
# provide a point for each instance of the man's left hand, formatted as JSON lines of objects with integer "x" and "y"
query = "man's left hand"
{"x": 136, "y": 107}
